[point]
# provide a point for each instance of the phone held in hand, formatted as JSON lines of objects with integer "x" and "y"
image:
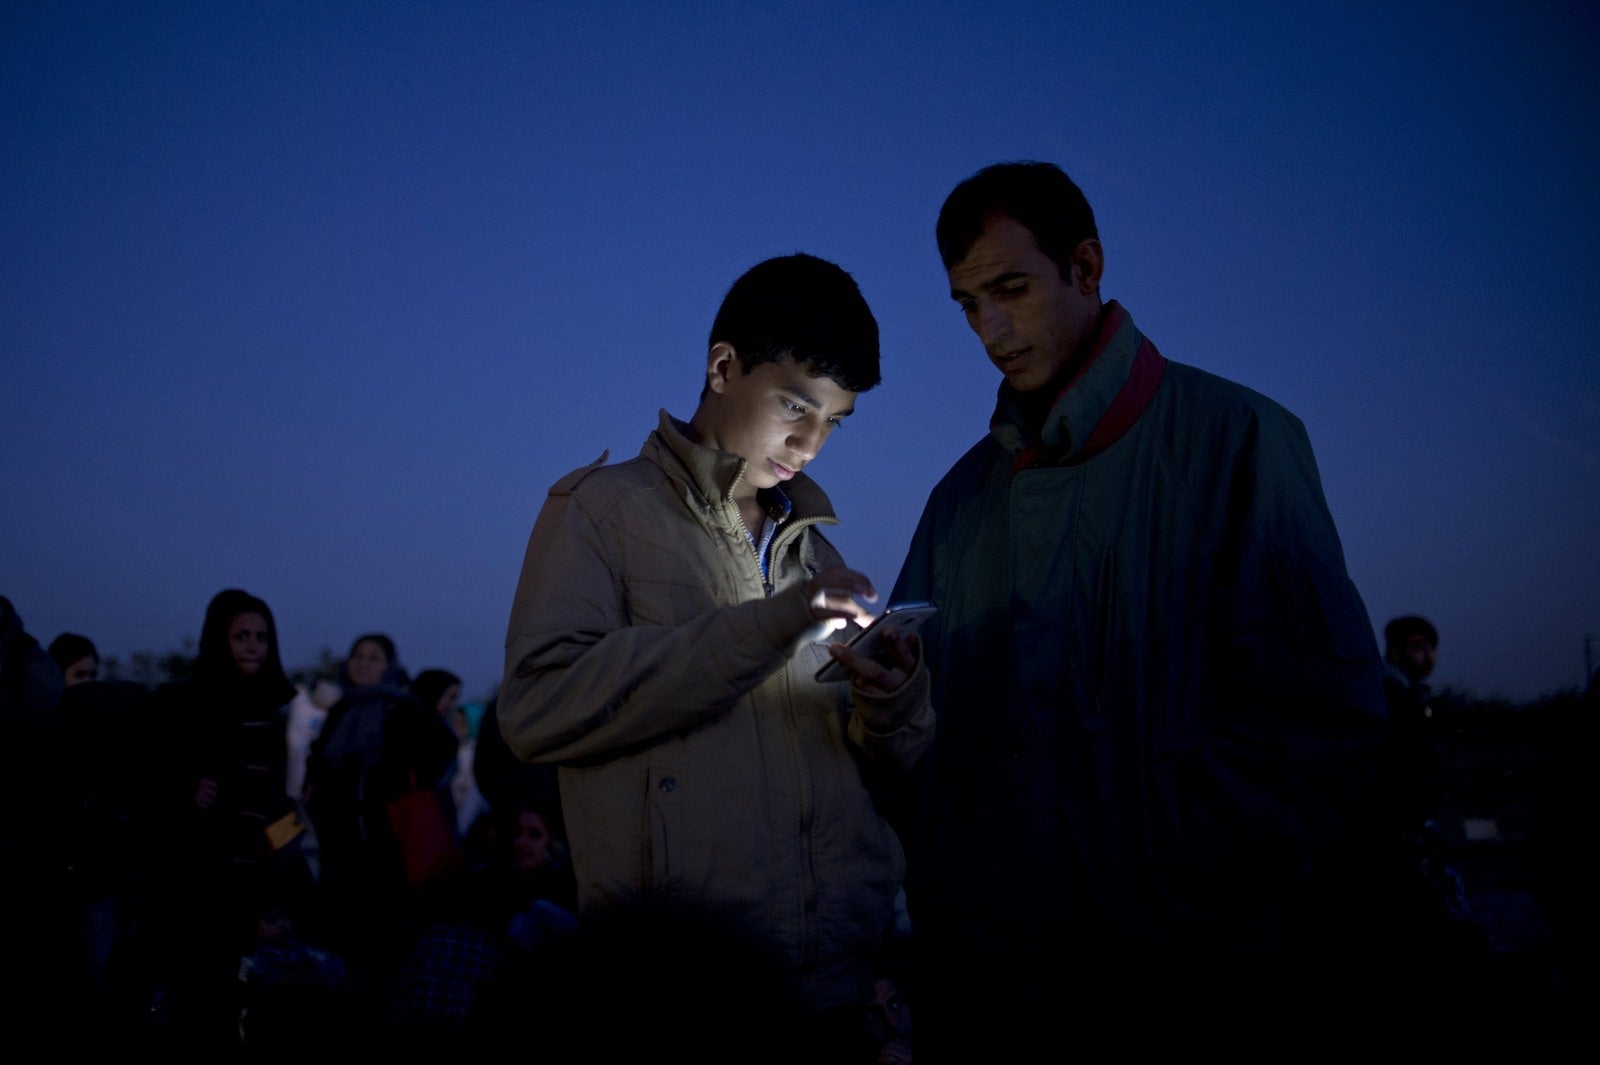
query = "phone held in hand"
{"x": 907, "y": 617}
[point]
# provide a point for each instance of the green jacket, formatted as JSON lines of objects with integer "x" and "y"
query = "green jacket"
{"x": 1158, "y": 691}
{"x": 703, "y": 768}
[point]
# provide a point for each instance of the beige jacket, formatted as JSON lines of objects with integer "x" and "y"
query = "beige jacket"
{"x": 703, "y": 769}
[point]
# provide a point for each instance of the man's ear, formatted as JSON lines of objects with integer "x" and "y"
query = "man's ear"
{"x": 1088, "y": 263}
{"x": 722, "y": 363}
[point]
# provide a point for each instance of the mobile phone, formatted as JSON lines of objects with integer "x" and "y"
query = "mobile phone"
{"x": 907, "y": 617}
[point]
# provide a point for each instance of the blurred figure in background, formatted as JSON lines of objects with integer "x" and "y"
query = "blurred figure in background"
{"x": 377, "y": 743}
{"x": 1411, "y": 776}
{"x": 77, "y": 657}
{"x": 888, "y": 1019}
{"x": 1403, "y": 914}
{"x": 102, "y": 763}
{"x": 469, "y": 801}
{"x": 230, "y": 827}
{"x": 477, "y": 960}
{"x": 293, "y": 996}
{"x": 505, "y": 780}
{"x": 31, "y": 686}
{"x": 1560, "y": 850}
{"x": 307, "y": 713}
{"x": 440, "y": 691}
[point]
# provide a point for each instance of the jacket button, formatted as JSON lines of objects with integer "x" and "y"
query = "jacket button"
{"x": 668, "y": 784}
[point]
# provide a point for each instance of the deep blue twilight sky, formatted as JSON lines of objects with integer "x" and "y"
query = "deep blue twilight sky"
{"x": 318, "y": 299}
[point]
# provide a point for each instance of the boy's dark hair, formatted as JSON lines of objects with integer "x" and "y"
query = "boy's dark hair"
{"x": 1401, "y": 629}
{"x": 1039, "y": 195}
{"x": 69, "y": 647}
{"x": 805, "y": 308}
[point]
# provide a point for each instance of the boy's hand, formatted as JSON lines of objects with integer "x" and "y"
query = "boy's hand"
{"x": 832, "y": 596}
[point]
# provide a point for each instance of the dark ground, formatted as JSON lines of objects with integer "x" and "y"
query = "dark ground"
{"x": 1512, "y": 830}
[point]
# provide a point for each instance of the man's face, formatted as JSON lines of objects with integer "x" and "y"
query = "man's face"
{"x": 1032, "y": 321}
{"x": 1416, "y": 657}
{"x": 776, "y": 417}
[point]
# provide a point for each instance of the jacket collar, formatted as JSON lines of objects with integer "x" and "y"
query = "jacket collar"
{"x": 1096, "y": 407}
{"x": 710, "y": 475}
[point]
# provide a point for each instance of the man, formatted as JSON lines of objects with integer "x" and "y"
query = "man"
{"x": 1413, "y": 913}
{"x": 661, "y": 650}
{"x": 1157, "y": 689}
{"x": 1410, "y": 652}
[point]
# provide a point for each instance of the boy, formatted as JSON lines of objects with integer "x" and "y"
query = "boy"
{"x": 662, "y": 647}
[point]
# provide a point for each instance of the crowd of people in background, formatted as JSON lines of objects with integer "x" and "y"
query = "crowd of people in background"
{"x": 209, "y": 869}
{"x": 208, "y": 865}
{"x": 182, "y": 896}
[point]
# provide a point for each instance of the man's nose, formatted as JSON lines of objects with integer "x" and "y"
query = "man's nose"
{"x": 994, "y": 322}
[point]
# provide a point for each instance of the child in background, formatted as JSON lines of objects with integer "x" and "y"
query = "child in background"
{"x": 307, "y": 712}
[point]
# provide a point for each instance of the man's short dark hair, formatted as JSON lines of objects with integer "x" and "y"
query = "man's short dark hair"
{"x": 1039, "y": 195}
{"x": 71, "y": 647}
{"x": 805, "y": 308}
{"x": 1401, "y": 629}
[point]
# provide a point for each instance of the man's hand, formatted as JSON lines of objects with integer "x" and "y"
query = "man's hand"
{"x": 832, "y": 596}
{"x": 880, "y": 677}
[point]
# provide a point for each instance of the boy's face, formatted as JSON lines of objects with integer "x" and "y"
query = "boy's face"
{"x": 776, "y": 417}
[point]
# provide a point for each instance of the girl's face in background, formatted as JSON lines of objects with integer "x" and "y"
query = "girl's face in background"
{"x": 531, "y": 844}
{"x": 367, "y": 664}
{"x": 249, "y": 641}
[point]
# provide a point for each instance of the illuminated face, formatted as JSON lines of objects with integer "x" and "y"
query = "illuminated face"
{"x": 367, "y": 664}
{"x": 249, "y": 641}
{"x": 1032, "y": 321}
{"x": 85, "y": 668}
{"x": 776, "y": 417}
{"x": 531, "y": 844}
